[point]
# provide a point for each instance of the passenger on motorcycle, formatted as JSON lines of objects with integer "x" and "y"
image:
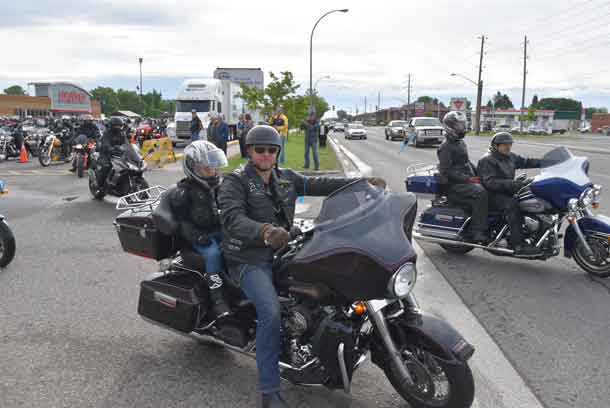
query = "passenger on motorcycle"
{"x": 463, "y": 185}
{"x": 257, "y": 204}
{"x": 194, "y": 206}
{"x": 112, "y": 138}
{"x": 497, "y": 171}
{"x": 88, "y": 128}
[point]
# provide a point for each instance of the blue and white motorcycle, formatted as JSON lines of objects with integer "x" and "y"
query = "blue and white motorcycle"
{"x": 562, "y": 192}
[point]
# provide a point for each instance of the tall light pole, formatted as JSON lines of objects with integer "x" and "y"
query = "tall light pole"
{"x": 315, "y": 86}
{"x": 141, "y": 78}
{"x": 479, "y": 96}
{"x": 312, "y": 105}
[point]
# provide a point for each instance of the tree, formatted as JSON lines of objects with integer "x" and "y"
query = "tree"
{"x": 566, "y": 105}
{"x": 490, "y": 104}
{"x": 590, "y": 111}
{"x": 107, "y": 98}
{"x": 341, "y": 114}
{"x": 429, "y": 114}
{"x": 501, "y": 101}
{"x": 425, "y": 99}
{"x": 534, "y": 101}
{"x": 15, "y": 90}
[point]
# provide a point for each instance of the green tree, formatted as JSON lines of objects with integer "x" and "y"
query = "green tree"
{"x": 567, "y": 105}
{"x": 590, "y": 111}
{"x": 534, "y": 101}
{"x": 490, "y": 104}
{"x": 14, "y": 90}
{"x": 425, "y": 99}
{"x": 502, "y": 101}
{"x": 107, "y": 98}
{"x": 341, "y": 114}
{"x": 429, "y": 114}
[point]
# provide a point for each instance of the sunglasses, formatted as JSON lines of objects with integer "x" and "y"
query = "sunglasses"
{"x": 262, "y": 150}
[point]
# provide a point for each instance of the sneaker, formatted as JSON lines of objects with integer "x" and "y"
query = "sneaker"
{"x": 73, "y": 169}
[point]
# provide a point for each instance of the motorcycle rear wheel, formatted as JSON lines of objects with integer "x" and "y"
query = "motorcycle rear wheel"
{"x": 456, "y": 249}
{"x": 80, "y": 166}
{"x": 7, "y": 244}
{"x": 600, "y": 266}
{"x": 97, "y": 193}
{"x": 437, "y": 383}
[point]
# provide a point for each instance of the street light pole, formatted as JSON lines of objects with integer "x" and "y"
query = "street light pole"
{"x": 311, "y": 105}
{"x": 140, "y": 78}
{"x": 479, "y": 86}
{"x": 315, "y": 86}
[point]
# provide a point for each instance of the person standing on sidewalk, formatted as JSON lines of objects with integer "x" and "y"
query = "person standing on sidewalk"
{"x": 311, "y": 126}
{"x": 196, "y": 126}
{"x": 280, "y": 122}
{"x": 212, "y": 129}
{"x": 222, "y": 133}
{"x": 248, "y": 124}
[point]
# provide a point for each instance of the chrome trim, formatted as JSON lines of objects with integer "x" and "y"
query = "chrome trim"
{"x": 376, "y": 305}
{"x": 582, "y": 239}
{"x": 341, "y": 357}
{"x": 411, "y": 301}
{"x": 360, "y": 361}
{"x": 542, "y": 238}
{"x": 440, "y": 226}
{"x": 500, "y": 235}
{"x": 468, "y": 244}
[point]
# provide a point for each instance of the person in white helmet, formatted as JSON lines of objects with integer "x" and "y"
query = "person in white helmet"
{"x": 193, "y": 203}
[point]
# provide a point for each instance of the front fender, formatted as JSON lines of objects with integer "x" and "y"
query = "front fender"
{"x": 599, "y": 224}
{"x": 439, "y": 336}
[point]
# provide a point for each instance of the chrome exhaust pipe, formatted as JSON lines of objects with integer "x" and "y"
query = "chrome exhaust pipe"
{"x": 420, "y": 237}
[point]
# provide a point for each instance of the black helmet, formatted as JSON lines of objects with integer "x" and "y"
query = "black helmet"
{"x": 501, "y": 138}
{"x": 116, "y": 121}
{"x": 263, "y": 135}
{"x": 455, "y": 125}
{"x": 203, "y": 153}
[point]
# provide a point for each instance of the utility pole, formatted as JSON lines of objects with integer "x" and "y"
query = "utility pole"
{"x": 524, "y": 76}
{"x": 480, "y": 88}
{"x": 365, "y": 107}
{"x": 379, "y": 100}
{"x": 408, "y": 98}
{"x": 140, "y": 78}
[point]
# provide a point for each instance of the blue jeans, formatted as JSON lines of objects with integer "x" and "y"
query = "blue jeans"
{"x": 211, "y": 254}
{"x": 256, "y": 281}
{"x": 194, "y": 136}
{"x": 283, "y": 151}
{"x": 314, "y": 147}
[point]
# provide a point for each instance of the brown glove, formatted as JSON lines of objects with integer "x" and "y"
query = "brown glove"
{"x": 377, "y": 182}
{"x": 275, "y": 237}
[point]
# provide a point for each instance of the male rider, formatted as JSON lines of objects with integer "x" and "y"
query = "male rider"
{"x": 112, "y": 138}
{"x": 464, "y": 186}
{"x": 497, "y": 171}
{"x": 257, "y": 204}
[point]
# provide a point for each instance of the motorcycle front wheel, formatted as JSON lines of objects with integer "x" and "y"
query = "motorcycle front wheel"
{"x": 97, "y": 193}
{"x": 44, "y": 156}
{"x": 599, "y": 264}
{"x": 436, "y": 382}
{"x": 7, "y": 244}
{"x": 80, "y": 165}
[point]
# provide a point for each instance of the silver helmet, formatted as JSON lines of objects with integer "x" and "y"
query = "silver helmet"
{"x": 203, "y": 153}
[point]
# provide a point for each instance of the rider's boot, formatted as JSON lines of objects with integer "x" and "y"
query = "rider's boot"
{"x": 219, "y": 306}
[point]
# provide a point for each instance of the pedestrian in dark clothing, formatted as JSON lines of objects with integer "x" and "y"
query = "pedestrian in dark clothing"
{"x": 464, "y": 186}
{"x": 212, "y": 129}
{"x": 497, "y": 171}
{"x": 248, "y": 124}
{"x": 323, "y": 134}
{"x": 196, "y": 126}
{"x": 222, "y": 133}
{"x": 311, "y": 126}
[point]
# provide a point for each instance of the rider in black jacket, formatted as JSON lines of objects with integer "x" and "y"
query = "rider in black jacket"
{"x": 463, "y": 185}
{"x": 193, "y": 203}
{"x": 257, "y": 204}
{"x": 497, "y": 171}
{"x": 112, "y": 138}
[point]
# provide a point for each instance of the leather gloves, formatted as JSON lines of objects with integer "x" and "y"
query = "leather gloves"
{"x": 275, "y": 237}
{"x": 377, "y": 182}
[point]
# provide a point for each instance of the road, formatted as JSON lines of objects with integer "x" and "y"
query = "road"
{"x": 549, "y": 318}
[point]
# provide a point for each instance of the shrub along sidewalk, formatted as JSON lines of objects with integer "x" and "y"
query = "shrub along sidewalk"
{"x": 295, "y": 156}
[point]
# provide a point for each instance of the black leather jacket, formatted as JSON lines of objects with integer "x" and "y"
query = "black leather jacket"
{"x": 454, "y": 164}
{"x": 497, "y": 171}
{"x": 195, "y": 210}
{"x": 110, "y": 140}
{"x": 246, "y": 203}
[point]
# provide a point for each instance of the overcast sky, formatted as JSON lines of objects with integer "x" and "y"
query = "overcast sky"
{"x": 368, "y": 50}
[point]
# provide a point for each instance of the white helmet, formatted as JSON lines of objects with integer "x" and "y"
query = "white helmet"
{"x": 203, "y": 153}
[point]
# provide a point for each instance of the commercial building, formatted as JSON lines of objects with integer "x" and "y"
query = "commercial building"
{"x": 50, "y": 99}
{"x": 599, "y": 121}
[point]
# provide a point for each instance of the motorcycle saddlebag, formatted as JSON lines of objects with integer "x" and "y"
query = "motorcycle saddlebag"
{"x": 139, "y": 235}
{"x": 176, "y": 300}
{"x": 445, "y": 217}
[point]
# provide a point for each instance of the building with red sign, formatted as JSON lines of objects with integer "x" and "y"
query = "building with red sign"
{"x": 51, "y": 99}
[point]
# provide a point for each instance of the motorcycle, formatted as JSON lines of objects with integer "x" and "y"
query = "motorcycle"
{"x": 81, "y": 152}
{"x": 52, "y": 150}
{"x": 8, "y": 147}
{"x": 345, "y": 284}
{"x": 125, "y": 176}
{"x": 7, "y": 238}
{"x": 562, "y": 192}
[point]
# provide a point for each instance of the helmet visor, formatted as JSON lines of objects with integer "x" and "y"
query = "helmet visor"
{"x": 217, "y": 159}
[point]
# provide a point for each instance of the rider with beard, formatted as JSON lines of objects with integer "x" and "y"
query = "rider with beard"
{"x": 113, "y": 137}
{"x": 464, "y": 186}
{"x": 497, "y": 171}
{"x": 257, "y": 204}
{"x": 193, "y": 203}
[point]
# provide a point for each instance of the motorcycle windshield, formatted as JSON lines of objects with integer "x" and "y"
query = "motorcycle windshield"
{"x": 556, "y": 156}
{"x": 131, "y": 153}
{"x": 366, "y": 224}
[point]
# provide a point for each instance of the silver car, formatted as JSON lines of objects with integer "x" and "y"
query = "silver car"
{"x": 396, "y": 129}
{"x": 428, "y": 131}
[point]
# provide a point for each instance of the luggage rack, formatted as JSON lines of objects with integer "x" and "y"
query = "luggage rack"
{"x": 141, "y": 200}
{"x": 422, "y": 169}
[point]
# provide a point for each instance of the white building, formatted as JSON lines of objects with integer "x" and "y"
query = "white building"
{"x": 490, "y": 118}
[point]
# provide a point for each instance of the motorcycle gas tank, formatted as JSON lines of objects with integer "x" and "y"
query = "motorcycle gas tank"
{"x": 534, "y": 205}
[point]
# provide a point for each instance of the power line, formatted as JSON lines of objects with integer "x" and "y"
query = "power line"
{"x": 545, "y": 19}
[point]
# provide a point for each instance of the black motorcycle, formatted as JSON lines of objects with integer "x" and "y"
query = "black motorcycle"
{"x": 7, "y": 238}
{"x": 345, "y": 286}
{"x": 125, "y": 176}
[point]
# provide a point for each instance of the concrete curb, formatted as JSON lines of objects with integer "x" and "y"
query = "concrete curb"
{"x": 498, "y": 383}
{"x": 352, "y": 165}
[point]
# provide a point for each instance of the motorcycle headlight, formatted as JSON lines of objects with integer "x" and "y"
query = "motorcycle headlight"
{"x": 586, "y": 198}
{"x": 403, "y": 281}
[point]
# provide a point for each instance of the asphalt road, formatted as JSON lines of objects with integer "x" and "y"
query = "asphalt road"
{"x": 70, "y": 333}
{"x": 549, "y": 318}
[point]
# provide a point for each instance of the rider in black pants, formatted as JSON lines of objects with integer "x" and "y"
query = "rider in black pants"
{"x": 497, "y": 171}
{"x": 464, "y": 186}
{"x": 113, "y": 137}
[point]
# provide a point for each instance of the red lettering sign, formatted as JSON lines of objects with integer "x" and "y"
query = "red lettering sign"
{"x": 72, "y": 97}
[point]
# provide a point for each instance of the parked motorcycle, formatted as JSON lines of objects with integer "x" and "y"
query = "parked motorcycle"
{"x": 561, "y": 192}
{"x": 52, "y": 151}
{"x": 125, "y": 176}
{"x": 7, "y": 239}
{"x": 81, "y": 152}
{"x": 345, "y": 284}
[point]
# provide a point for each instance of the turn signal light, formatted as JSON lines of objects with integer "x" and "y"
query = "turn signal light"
{"x": 359, "y": 308}
{"x": 595, "y": 205}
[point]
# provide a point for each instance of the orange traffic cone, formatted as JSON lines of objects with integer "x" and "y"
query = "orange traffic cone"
{"x": 23, "y": 156}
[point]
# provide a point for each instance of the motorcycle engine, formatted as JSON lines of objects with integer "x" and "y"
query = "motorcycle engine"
{"x": 530, "y": 225}
{"x": 300, "y": 322}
